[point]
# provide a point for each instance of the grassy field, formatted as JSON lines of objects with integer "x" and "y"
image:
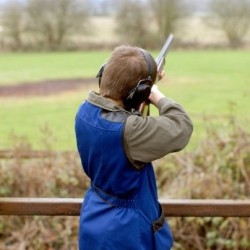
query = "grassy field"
{"x": 21, "y": 67}
{"x": 211, "y": 85}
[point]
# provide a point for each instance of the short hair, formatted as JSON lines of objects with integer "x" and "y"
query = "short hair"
{"x": 126, "y": 67}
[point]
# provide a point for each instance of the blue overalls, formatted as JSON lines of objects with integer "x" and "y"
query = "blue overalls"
{"x": 120, "y": 209}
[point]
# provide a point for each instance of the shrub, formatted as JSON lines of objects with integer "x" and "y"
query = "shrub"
{"x": 218, "y": 169}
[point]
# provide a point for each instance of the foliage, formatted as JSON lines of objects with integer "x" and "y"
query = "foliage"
{"x": 45, "y": 24}
{"x": 37, "y": 25}
{"x": 234, "y": 18}
{"x": 13, "y": 22}
{"x": 53, "y": 21}
{"x": 218, "y": 168}
{"x": 166, "y": 14}
{"x": 148, "y": 23}
{"x": 56, "y": 175}
{"x": 132, "y": 25}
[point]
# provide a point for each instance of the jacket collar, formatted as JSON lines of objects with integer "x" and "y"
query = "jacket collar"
{"x": 103, "y": 102}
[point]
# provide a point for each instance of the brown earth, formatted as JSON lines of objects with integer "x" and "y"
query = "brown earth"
{"x": 46, "y": 87}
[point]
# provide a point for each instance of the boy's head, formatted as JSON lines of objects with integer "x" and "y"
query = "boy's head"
{"x": 124, "y": 70}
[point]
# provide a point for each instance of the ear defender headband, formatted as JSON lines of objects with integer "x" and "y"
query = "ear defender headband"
{"x": 100, "y": 72}
{"x": 142, "y": 90}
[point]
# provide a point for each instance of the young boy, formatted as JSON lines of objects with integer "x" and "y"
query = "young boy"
{"x": 117, "y": 145}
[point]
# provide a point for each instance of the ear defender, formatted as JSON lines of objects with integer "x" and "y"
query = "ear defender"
{"x": 141, "y": 92}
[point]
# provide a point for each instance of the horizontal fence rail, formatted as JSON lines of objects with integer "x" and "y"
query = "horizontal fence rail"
{"x": 171, "y": 207}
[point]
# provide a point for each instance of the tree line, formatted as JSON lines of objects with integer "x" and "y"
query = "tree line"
{"x": 54, "y": 25}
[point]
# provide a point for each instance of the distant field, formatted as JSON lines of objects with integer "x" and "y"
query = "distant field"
{"x": 22, "y": 67}
{"x": 208, "y": 84}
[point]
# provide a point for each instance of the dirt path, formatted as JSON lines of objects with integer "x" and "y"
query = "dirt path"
{"x": 47, "y": 87}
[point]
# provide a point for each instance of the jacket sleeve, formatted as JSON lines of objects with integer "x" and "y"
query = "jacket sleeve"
{"x": 150, "y": 138}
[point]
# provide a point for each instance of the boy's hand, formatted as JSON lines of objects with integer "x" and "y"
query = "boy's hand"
{"x": 160, "y": 74}
{"x": 155, "y": 95}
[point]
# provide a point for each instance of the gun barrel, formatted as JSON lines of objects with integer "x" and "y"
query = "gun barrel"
{"x": 164, "y": 50}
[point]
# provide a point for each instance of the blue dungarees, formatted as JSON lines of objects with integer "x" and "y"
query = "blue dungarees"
{"x": 120, "y": 209}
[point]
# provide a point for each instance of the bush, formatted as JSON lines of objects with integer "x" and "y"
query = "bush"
{"x": 218, "y": 169}
{"x": 59, "y": 174}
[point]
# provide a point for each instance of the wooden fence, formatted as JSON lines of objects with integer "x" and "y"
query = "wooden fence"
{"x": 72, "y": 206}
{"x": 171, "y": 207}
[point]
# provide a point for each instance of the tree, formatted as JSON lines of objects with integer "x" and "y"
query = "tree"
{"x": 53, "y": 21}
{"x": 133, "y": 22}
{"x": 13, "y": 22}
{"x": 166, "y": 14}
{"x": 233, "y": 17}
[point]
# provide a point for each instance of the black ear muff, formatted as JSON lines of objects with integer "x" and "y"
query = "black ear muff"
{"x": 138, "y": 95}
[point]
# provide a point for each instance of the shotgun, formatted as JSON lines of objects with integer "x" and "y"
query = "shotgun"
{"x": 160, "y": 61}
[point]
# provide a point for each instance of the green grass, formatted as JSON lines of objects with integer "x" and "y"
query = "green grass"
{"x": 211, "y": 81}
{"x": 210, "y": 84}
{"x": 22, "y": 67}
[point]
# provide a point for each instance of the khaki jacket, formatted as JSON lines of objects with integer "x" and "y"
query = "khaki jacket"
{"x": 149, "y": 138}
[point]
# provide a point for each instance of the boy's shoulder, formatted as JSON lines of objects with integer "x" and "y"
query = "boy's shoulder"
{"x": 115, "y": 116}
